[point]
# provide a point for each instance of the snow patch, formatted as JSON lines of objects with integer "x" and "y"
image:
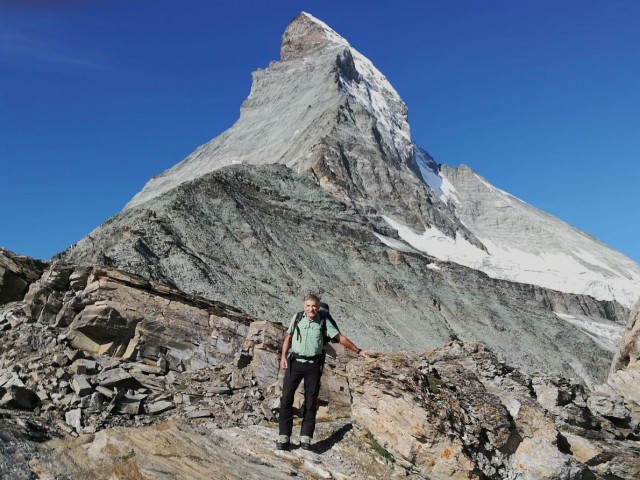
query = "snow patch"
{"x": 395, "y": 244}
{"x": 437, "y": 244}
{"x": 606, "y": 335}
{"x": 565, "y": 272}
{"x": 430, "y": 177}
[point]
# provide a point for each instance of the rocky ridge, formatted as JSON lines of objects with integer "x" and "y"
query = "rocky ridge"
{"x": 106, "y": 375}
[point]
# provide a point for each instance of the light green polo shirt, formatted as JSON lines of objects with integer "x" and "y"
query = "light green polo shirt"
{"x": 311, "y": 342}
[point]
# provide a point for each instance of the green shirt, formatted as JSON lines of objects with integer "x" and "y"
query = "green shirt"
{"x": 311, "y": 342}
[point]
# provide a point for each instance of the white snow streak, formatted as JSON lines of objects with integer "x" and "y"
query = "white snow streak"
{"x": 431, "y": 178}
{"x": 607, "y": 335}
{"x": 395, "y": 244}
{"x": 557, "y": 271}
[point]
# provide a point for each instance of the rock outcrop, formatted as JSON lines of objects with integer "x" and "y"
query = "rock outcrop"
{"x": 103, "y": 365}
{"x": 90, "y": 342}
{"x": 457, "y": 412}
{"x": 624, "y": 376}
{"x": 17, "y": 272}
{"x": 620, "y": 395}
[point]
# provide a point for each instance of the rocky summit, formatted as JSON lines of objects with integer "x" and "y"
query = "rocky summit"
{"x": 104, "y": 374}
{"x": 318, "y": 187}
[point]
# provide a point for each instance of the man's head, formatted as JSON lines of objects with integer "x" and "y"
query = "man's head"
{"x": 311, "y": 306}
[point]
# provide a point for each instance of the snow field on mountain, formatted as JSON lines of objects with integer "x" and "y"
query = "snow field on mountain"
{"x": 564, "y": 272}
{"x": 523, "y": 243}
{"x": 606, "y": 335}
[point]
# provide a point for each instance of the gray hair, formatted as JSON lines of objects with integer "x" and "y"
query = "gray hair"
{"x": 311, "y": 296}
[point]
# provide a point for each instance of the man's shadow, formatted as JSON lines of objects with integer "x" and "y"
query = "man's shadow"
{"x": 325, "y": 445}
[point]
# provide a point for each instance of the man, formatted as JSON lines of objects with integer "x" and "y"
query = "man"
{"x": 305, "y": 362}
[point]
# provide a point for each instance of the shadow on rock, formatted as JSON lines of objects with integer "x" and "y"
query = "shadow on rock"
{"x": 325, "y": 445}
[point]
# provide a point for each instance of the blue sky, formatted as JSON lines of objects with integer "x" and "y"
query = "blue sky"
{"x": 541, "y": 98}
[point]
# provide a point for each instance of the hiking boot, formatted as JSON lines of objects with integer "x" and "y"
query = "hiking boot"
{"x": 283, "y": 442}
{"x": 305, "y": 443}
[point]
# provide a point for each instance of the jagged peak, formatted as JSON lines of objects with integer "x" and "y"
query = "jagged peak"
{"x": 305, "y": 35}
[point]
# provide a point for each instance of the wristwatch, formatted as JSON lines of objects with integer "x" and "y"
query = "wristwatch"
{"x": 358, "y": 351}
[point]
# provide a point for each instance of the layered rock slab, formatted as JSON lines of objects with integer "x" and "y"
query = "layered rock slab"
{"x": 17, "y": 272}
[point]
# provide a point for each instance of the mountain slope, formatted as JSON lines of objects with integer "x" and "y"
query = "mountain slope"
{"x": 259, "y": 237}
{"x": 522, "y": 243}
{"x": 299, "y": 195}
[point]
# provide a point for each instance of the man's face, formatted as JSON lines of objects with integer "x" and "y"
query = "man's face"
{"x": 311, "y": 309}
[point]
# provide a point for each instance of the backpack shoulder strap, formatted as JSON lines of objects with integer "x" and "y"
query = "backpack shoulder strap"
{"x": 333, "y": 322}
{"x": 295, "y": 324}
{"x": 323, "y": 328}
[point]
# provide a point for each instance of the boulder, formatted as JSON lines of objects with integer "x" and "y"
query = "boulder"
{"x": 12, "y": 286}
{"x": 84, "y": 365}
{"x": 609, "y": 405}
{"x": 17, "y": 272}
{"x": 103, "y": 324}
{"x": 81, "y": 385}
{"x": 115, "y": 377}
{"x": 19, "y": 397}
{"x": 159, "y": 407}
{"x": 130, "y": 405}
{"x": 74, "y": 419}
{"x": 44, "y": 299}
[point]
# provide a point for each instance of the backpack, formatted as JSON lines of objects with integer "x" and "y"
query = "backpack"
{"x": 323, "y": 313}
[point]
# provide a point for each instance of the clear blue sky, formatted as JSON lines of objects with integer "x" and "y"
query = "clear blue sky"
{"x": 542, "y": 98}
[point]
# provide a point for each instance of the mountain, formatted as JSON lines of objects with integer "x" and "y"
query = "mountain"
{"x": 522, "y": 243}
{"x": 318, "y": 187}
{"x": 323, "y": 110}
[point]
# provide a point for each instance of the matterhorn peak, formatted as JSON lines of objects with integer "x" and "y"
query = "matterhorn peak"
{"x": 318, "y": 187}
{"x": 322, "y": 110}
{"x": 306, "y": 35}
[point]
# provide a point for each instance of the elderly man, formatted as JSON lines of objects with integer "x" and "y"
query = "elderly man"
{"x": 305, "y": 338}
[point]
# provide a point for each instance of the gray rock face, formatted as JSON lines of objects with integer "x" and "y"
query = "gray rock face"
{"x": 453, "y": 412}
{"x": 259, "y": 237}
{"x": 323, "y": 110}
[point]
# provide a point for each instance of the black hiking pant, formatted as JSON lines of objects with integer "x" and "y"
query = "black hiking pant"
{"x": 297, "y": 371}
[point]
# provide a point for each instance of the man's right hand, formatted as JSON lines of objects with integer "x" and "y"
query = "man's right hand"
{"x": 283, "y": 363}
